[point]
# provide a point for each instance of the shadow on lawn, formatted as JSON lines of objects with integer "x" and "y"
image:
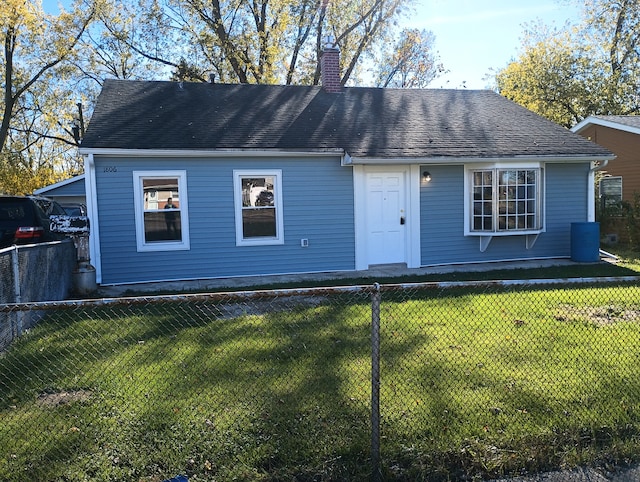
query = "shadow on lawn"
{"x": 506, "y": 386}
{"x": 279, "y": 389}
{"x": 182, "y": 389}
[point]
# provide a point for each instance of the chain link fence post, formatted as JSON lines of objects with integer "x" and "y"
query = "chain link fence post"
{"x": 375, "y": 383}
{"x": 16, "y": 328}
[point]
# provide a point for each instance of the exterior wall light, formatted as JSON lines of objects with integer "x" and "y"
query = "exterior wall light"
{"x": 426, "y": 176}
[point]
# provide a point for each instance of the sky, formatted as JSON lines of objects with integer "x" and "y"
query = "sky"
{"x": 474, "y": 36}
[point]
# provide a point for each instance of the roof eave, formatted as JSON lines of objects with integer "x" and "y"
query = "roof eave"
{"x": 594, "y": 120}
{"x": 350, "y": 160}
{"x": 346, "y": 158}
{"x": 116, "y": 152}
{"x": 59, "y": 184}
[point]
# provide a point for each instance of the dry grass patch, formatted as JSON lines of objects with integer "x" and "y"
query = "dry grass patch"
{"x": 598, "y": 315}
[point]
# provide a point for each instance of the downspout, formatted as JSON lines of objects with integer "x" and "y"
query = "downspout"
{"x": 92, "y": 211}
{"x": 591, "y": 192}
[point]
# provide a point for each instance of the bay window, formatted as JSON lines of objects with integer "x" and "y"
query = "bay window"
{"x": 504, "y": 200}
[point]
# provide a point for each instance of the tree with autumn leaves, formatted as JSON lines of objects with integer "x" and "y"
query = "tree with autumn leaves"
{"x": 587, "y": 69}
{"x": 249, "y": 41}
{"x": 53, "y": 63}
{"x": 409, "y": 63}
{"x": 33, "y": 108}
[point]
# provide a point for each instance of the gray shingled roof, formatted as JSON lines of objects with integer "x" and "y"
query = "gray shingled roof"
{"x": 365, "y": 122}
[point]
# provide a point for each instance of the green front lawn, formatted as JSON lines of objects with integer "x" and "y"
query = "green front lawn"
{"x": 474, "y": 383}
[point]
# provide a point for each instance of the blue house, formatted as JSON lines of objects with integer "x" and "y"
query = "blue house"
{"x": 198, "y": 181}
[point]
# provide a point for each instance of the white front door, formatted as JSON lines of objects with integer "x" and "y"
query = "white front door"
{"x": 386, "y": 217}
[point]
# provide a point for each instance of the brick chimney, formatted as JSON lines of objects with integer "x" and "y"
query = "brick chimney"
{"x": 330, "y": 67}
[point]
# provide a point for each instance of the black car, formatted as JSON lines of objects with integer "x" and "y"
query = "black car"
{"x": 25, "y": 220}
{"x": 265, "y": 198}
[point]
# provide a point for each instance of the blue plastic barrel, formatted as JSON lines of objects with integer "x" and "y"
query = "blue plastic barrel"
{"x": 585, "y": 242}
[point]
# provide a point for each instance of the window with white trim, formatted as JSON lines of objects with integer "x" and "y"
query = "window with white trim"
{"x": 161, "y": 210}
{"x": 610, "y": 190}
{"x": 505, "y": 200}
{"x": 258, "y": 206}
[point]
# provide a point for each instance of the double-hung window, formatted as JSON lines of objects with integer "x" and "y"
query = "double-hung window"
{"x": 160, "y": 199}
{"x": 504, "y": 200}
{"x": 258, "y": 206}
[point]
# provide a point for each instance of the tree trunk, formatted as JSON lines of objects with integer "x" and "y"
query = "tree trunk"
{"x": 9, "y": 47}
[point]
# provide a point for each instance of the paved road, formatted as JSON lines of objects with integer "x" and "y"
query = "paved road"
{"x": 631, "y": 474}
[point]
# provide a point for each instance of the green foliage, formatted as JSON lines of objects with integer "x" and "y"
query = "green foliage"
{"x": 36, "y": 107}
{"x": 569, "y": 74}
{"x": 186, "y": 72}
{"x": 18, "y": 177}
{"x": 411, "y": 62}
{"x": 631, "y": 214}
{"x": 549, "y": 77}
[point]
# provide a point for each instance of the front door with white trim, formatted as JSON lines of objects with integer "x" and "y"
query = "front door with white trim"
{"x": 386, "y": 217}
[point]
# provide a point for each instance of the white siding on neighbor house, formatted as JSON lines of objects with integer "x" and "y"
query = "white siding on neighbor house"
{"x": 317, "y": 206}
{"x": 442, "y": 218}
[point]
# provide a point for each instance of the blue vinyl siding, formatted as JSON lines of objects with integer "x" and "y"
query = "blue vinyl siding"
{"x": 442, "y": 218}
{"x": 317, "y": 205}
{"x": 566, "y": 203}
{"x": 74, "y": 188}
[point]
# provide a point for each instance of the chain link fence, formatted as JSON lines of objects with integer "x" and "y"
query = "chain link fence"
{"x": 435, "y": 381}
{"x": 36, "y": 271}
{"x": 33, "y": 272}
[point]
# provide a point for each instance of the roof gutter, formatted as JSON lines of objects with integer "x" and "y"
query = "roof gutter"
{"x": 346, "y": 158}
{"x": 591, "y": 191}
{"x": 595, "y": 120}
{"x": 349, "y": 160}
{"x": 114, "y": 152}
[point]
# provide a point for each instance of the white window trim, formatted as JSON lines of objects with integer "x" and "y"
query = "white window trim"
{"x": 138, "y": 195}
{"x": 468, "y": 202}
{"x": 238, "y": 174}
{"x": 609, "y": 177}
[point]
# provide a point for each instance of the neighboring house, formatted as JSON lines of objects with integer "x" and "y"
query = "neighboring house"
{"x": 269, "y": 179}
{"x": 621, "y": 135}
{"x": 69, "y": 191}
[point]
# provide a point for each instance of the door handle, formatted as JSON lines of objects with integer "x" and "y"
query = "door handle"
{"x": 402, "y": 220}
